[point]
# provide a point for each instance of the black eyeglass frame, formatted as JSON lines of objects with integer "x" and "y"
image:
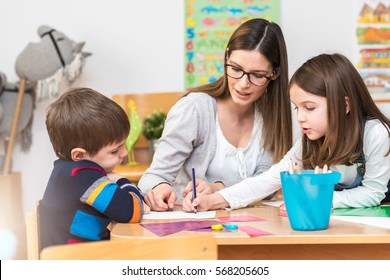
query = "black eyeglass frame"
{"x": 268, "y": 78}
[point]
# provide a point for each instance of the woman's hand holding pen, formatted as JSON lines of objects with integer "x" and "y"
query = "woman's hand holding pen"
{"x": 161, "y": 198}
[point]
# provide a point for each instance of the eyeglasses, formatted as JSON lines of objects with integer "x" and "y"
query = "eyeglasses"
{"x": 254, "y": 78}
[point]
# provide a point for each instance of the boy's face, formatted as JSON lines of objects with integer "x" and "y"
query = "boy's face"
{"x": 109, "y": 156}
{"x": 312, "y": 112}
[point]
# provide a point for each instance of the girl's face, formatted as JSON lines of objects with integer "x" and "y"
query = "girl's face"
{"x": 242, "y": 91}
{"x": 312, "y": 112}
{"x": 109, "y": 156}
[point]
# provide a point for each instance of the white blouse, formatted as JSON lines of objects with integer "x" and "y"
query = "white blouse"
{"x": 235, "y": 164}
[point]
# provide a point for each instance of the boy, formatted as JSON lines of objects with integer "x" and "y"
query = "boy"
{"x": 88, "y": 133}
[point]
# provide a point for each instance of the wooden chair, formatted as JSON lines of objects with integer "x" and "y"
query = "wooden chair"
{"x": 32, "y": 230}
{"x": 145, "y": 104}
{"x": 12, "y": 217}
{"x": 195, "y": 247}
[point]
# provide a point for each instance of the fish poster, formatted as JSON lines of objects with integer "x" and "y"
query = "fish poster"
{"x": 208, "y": 27}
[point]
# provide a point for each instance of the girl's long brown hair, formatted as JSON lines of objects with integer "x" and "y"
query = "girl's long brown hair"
{"x": 334, "y": 77}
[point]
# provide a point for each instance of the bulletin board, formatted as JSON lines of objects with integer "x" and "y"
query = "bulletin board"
{"x": 373, "y": 51}
{"x": 208, "y": 27}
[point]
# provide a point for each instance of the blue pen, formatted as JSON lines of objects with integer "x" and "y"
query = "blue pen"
{"x": 194, "y": 189}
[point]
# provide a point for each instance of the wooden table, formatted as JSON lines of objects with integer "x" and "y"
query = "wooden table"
{"x": 342, "y": 240}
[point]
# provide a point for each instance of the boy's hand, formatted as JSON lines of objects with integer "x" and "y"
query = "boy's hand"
{"x": 146, "y": 208}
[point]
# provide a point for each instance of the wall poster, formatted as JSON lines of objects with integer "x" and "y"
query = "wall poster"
{"x": 208, "y": 27}
{"x": 373, "y": 41}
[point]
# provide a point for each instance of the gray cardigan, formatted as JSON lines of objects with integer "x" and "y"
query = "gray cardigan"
{"x": 189, "y": 140}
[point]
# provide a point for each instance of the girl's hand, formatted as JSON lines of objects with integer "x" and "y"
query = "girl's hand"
{"x": 202, "y": 186}
{"x": 189, "y": 205}
{"x": 204, "y": 202}
{"x": 282, "y": 210}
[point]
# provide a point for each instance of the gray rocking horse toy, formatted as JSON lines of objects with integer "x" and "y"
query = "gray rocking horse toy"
{"x": 42, "y": 67}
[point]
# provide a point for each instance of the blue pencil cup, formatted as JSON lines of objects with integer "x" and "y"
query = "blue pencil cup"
{"x": 308, "y": 198}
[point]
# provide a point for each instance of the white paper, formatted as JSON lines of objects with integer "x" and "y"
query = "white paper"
{"x": 382, "y": 222}
{"x": 172, "y": 215}
{"x": 273, "y": 203}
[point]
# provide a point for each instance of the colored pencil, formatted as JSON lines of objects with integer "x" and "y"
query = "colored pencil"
{"x": 194, "y": 189}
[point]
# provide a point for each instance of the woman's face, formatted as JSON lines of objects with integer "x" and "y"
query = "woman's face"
{"x": 312, "y": 112}
{"x": 242, "y": 90}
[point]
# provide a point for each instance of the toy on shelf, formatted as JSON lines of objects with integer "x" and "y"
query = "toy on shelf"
{"x": 135, "y": 132}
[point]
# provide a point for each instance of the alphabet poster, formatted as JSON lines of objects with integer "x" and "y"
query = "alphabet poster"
{"x": 373, "y": 40}
{"x": 208, "y": 27}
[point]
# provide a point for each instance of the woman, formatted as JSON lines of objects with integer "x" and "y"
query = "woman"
{"x": 227, "y": 130}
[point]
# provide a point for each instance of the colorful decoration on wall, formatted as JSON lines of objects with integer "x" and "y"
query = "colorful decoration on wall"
{"x": 373, "y": 39}
{"x": 208, "y": 27}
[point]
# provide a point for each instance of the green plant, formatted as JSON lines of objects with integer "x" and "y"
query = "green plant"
{"x": 153, "y": 125}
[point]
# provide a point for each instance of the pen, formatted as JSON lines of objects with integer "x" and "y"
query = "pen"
{"x": 194, "y": 189}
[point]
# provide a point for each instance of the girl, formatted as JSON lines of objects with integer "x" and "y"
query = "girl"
{"x": 342, "y": 128}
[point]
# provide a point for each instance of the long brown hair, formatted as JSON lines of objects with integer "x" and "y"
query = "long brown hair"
{"x": 334, "y": 77}
{"x": 274, "y": 105}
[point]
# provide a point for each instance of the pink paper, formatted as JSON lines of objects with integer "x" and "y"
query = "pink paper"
{"x": 253, "y": 232}
{"x": 240, "y": 219}
{"x": 162, "y": 229}
{"x": 209, "y": 230}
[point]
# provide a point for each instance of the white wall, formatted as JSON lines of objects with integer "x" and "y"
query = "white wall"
{"x": 137, "y": 46}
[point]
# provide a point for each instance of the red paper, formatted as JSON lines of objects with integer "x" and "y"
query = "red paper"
{"x": 253, "y": 232}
